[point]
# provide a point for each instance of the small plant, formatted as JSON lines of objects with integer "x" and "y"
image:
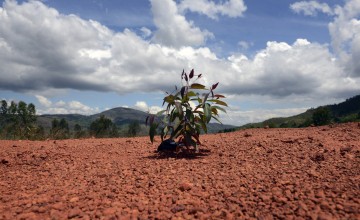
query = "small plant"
{"x": 188, "y": 111}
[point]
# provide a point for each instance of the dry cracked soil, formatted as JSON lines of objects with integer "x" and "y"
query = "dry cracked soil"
{"x": 307, "y": 173}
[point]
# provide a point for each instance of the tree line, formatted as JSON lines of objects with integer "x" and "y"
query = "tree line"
{"x": 19, "y": 121}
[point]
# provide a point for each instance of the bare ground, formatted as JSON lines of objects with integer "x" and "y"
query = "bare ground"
{"x": 310, "y": 173}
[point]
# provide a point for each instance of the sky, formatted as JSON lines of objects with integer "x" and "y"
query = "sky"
{"x": 272, "y": 58}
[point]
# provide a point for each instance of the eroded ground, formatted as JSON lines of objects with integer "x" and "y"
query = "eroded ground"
{"x": 311, "y": 173}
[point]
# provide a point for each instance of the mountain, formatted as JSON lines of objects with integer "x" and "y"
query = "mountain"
{"x": 120, "y": 116}
{"x": 346, "y": 111}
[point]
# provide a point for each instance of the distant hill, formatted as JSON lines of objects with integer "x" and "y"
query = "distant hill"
{"x": 346, "y": 111}
{"x": 121, "y": 116}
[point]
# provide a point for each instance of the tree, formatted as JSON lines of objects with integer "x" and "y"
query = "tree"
{"x": 134, "y": 128}
{"x": 4, "y": 107}
{"x": 103, "y": 127}
{"x": 78, "y": 132}
{"x": 321, "y": 116}
{"x": 18, "y": 119}
{"x": 59, "y": 129}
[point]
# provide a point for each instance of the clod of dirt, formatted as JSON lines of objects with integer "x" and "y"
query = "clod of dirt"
{"x": 4, "y": 161}
{"x": 318, "y": 157}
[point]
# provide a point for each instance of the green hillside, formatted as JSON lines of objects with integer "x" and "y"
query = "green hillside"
{"x": 120, "y": 116}
{"x": 346, "y": 111}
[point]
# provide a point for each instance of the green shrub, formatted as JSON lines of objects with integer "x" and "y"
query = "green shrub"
{"x": 321, "y": 116}
{"x": 103, "y": 127}
{"x": 181, "y": 121}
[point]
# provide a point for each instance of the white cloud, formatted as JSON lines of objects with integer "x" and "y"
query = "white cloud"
{"x": 311, "y": 8}
{"x": 245, "y": 45}
{"x": 43, "y": 101}
{"x": 173, "y": 29}
{"x": 43, "y": 50}
{"x": 231, "y": 8}
{"x": 145, "y": 32}
{"x": 61, "y": 107}
{"x": 241, "y": 117}
{"x": 280, "y": 70}
{"x": 142, "y": 106}
{"x": 345, "y": 35}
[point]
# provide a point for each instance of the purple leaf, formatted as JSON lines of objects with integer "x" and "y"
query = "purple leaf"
{"x": 191, "y": 74}
{"x": 214, "y": 86}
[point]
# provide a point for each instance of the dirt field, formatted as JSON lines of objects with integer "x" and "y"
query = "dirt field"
{"x": 311, "y": 173}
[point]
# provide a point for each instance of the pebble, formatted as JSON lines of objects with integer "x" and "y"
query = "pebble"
{"x": 75, "y": 212}
{"x": 185, "y": 186}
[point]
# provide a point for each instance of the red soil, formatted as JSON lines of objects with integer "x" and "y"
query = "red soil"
{"x": 311, "y": 173}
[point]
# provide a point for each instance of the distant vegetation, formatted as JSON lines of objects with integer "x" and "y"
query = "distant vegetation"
{"x": 19, "y": 121}
{"x": 347, "y": 111}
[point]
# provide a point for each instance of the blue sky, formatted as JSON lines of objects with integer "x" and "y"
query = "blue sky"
{"x": 272, "y": 58}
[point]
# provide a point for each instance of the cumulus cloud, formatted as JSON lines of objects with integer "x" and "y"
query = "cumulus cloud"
{"x": 231, "y": 8}
{"x": 146, "y": 32}
{"x": 41, "y": 49}
{"x": 345, "y": 35}
{"x": 173, "y": 29}
{"x": 143, "y": 106}
{"x": 43, "y": 101}
{"x": 282, "y": 70}
{"x": 241, "y": 117}
{"x": 311, "y": 8}
{"x": 61, "y": 107}
{"x": 245, "y": 45}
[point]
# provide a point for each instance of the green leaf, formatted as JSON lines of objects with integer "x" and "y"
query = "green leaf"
{"x": 203, "y": 125}
{"x": 205, "y": 99}
{"x": 207, "y": 112}
{"x": 160, "y": 112}
{"x": 179, "y": 109}
{"x": 214, "y": 110}
{"x": 164, "y": 132}
{"x": 197, "y": 86}
{"x": 152, "y": 131}
{"x": 191, "y": 94}
{"x": 189, "y": 115}
{"x": 218, "y": 102}
{"x": 169, "y": 99}
{"x": 216, "y": 119}
{"x": 177, "y": 131}
{"x": 219, "y": 108}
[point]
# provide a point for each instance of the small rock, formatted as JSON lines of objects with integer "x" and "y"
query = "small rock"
{"x": 58, "y": 206}
{"x": 178, "y": 208}
{"x": 4, "y": 161}
{"x": 28, "y": 215}
{"x": 265, "y": 198}
{"x": 75, "y": 212}
{"x": 324, "y": 216}
{"x": 320, "y": 194}
{"x": 303, "y": 206}
{"x": 109, "y": 211}
{"x": 185, "y": 186}
{"x": 74, "y": 199}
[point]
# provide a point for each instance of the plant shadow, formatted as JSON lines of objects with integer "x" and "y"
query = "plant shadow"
{"x": 182, "y": 155}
